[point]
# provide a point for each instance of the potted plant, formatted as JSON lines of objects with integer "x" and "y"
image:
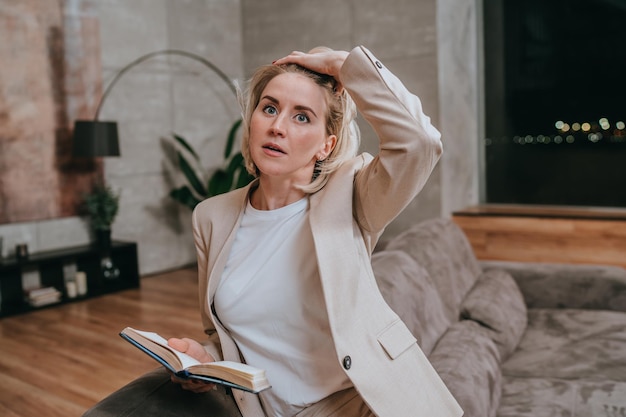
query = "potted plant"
{"x": 194, "y": 182}
{"x": 101, "y": 205}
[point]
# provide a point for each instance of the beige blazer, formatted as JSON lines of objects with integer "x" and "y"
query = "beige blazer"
{"x": 374, "y": 347}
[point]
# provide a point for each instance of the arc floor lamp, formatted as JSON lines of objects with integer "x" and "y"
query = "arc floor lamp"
{"x": 96, "y": 138}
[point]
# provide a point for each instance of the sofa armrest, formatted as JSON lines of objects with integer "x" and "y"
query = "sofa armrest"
{"x": 552, "y": 285}
{"x": 153, "y": 394}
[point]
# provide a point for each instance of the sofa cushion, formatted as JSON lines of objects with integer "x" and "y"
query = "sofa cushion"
{"x": 497, "y": 303}
{"x": 571, "y": 344}
{"x": 440, "y": 246}
{"x": 410, "y": 292}
{"x": 468, "y": 362}
{"x": 553, "y": 285}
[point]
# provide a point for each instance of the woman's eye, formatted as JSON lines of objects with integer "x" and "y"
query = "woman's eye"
{"x": 269, "y": 110}
{"x": 302, "y": 118}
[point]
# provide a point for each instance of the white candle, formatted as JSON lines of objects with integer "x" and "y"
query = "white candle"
{"x": 81, "y": 283}
{"x": 70, "y": 287}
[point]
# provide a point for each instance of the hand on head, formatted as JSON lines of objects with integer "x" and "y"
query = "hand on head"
{"x": 322, "y": 60}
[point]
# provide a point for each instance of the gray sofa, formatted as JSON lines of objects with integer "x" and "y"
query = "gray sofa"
{"x": 508, "y": 339}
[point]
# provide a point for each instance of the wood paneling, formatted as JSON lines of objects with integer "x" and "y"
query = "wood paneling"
{"x": 536, "y": 234}
{"x": 59, "y": 361}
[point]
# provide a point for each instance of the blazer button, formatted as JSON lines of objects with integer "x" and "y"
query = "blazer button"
{"x": 347, "y": 362}
{"x": 379, "y": 65}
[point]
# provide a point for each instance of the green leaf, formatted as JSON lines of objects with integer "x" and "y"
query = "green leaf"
{"x": 230, "y": 140}
{"x": 101, "y": 204}
{"x": 191, "y": 176}
{"x": 220, "y": 182}
{"x": 235, "y": 163}
{"x": 240, "y": 174}
{"x": 184, "y": 196}
{"x": 233, "y": 175}
{"x": 243, "y": 178}
{"x": 186, "y": 145}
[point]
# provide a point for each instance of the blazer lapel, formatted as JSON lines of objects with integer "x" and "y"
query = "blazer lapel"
{"x": 224, "y": 234}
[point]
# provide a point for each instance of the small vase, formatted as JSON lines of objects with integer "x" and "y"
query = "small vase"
{"x": 103, "y": 240}
{"x": 103, "y": 243}
{"x": 108, "y": 269}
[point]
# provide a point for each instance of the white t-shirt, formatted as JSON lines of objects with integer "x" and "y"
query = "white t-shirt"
{"x": 270, "y": 299}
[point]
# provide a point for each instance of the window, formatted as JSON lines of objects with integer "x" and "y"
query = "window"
{"x": 555, "y": 101}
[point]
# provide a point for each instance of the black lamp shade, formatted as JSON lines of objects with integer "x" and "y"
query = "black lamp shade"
{"x": 95, "y": 138}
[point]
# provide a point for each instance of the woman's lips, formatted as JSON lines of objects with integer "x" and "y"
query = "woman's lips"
{"x": 273, "y": 148}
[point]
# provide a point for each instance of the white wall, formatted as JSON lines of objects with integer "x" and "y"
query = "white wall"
{"x": 166, "y": 94}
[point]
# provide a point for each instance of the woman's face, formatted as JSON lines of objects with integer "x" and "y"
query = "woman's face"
{"x": 288, "y": 128}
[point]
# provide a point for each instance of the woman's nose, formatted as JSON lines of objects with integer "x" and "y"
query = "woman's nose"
{"x": 277, "y": 126}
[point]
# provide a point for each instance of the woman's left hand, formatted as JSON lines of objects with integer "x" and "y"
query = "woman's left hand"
{"x": 321, "y": 60}
{"x": 196, "y": 351}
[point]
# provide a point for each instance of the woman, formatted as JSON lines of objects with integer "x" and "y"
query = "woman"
{"x": 284, "y": 264}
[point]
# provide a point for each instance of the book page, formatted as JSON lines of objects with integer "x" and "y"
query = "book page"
{"x": 236, "y": 368}
{"x": 252, "y": 378}
{"x": 185, "y": 360}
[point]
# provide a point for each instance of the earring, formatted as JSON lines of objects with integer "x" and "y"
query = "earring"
{"x": 317, "y": 169}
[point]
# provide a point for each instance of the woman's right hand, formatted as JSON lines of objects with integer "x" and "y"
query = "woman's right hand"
{"x": 195, "y": 350}
{"x": 321, "y": 59}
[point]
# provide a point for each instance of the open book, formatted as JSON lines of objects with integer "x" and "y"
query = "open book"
{"x": 232, "y": 374}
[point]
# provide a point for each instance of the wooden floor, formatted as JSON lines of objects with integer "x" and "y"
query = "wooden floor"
{"x": 59, "y": 361}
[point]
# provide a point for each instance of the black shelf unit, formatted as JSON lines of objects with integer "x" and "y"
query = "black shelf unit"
{"x": 50, "y": 266}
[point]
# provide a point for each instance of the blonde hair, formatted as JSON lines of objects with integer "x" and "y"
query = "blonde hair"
{"x": 340, "y": 120}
